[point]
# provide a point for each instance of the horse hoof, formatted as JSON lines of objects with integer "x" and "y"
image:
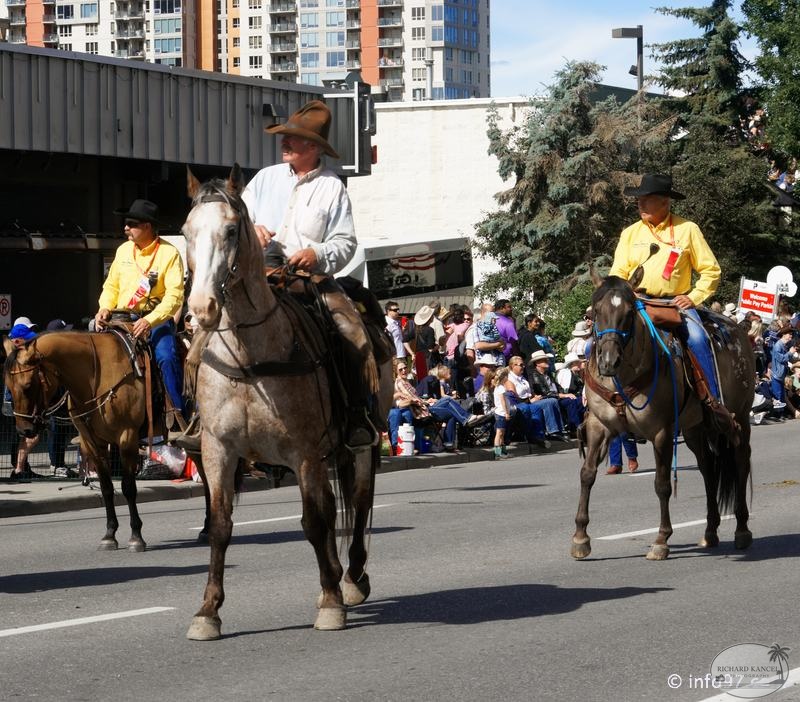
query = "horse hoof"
{"x": 331, "y": 619}
{"x": 658, "y": 553}
{"x": 356, "y": 593}
{"x": 108, "y": 545}
{"x": 202, "y": 537}
{"x": 743, "y": 539}
{"x": 581, "y": 549}
{"x": 137, "y": 546}
{"x": 710, "y": 540}
{"x": 204, "y": 629}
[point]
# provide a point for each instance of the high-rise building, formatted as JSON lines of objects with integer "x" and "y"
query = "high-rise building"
{"x": 405, "y": 49}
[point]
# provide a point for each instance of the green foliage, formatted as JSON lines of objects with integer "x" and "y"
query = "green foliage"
{"x": 561, "y": 312}
{"x": 774, "y": 24}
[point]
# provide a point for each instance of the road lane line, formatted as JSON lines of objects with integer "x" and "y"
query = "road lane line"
{"x": 282, "y": 519}
{"x": 83, "y": 620}
{"x": 791, "y": 680}
{"x": 641, "y": 532}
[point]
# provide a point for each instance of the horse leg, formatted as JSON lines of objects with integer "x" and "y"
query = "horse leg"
{"x": 662, "y": 448}
{"x": 129, "y": 457}
{"x": 597, "y": 438}
{"x": 319, "y": 526}
{"x": 743, "y": 537}
{"x": 98, "y": 455}
{"x": 219, "y": 468}
{"x": 696, "y": 441}
{"x": 355, "y": 586}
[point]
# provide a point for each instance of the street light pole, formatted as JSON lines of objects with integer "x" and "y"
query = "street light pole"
{"x": 634, "y": 33}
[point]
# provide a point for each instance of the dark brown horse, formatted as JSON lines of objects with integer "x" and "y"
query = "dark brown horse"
{"x": 263, "y": 394}
{"x": 106, "y": 404}
{"x": 630, "y": 388}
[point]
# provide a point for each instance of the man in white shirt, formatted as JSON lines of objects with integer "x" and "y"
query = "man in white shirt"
{"x": 394, "y": 329}
{"x": 302, "y": 213}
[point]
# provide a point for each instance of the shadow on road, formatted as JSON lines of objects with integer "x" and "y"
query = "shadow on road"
{"x": 65, "y": 579}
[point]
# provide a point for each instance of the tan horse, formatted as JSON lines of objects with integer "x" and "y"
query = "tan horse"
{"x": 106, "y": 403}
{"x": 629, "y": 387}
{"x": 263, "y": 394}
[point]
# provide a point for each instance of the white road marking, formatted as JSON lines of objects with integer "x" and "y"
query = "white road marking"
{"x": 642, "y": 532}
{"x": 83, "y": 620}
{"x": 791, "y": 680}
{"x": 281, "y": 519}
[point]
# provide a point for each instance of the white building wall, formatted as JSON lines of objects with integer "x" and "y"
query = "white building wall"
{"x": 434, "y": 177}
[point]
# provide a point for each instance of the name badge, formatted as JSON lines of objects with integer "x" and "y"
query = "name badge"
{"x": 141, "y": 290}
{"x": 672, "y": 259}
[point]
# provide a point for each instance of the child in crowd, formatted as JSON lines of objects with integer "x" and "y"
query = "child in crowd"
{"x": 502, "y": 413}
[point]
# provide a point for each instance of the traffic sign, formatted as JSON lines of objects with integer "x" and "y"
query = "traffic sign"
{"x": 5, "y": 311}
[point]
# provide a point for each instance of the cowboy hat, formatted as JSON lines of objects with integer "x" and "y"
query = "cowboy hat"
{"x": 730, "y": 309}
{"x": 24, "y": 320}
{"x": 654, "y": 184}
{"x": 423, "y": 315}
{"x": 571, "y": 358}
{"x": 141, "y": 210}
{"x": 540, "y": 355}
{"x": 581, "y": 329}
{"x": 312, "y": 121}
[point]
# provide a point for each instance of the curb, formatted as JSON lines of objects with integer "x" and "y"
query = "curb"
{"x": 66, "y": 497}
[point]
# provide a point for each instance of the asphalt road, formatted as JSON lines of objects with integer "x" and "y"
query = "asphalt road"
{"x": 474, "y": 594}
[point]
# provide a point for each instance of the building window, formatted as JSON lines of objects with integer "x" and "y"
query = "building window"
{"x": 166, "y": 26}
{"x": 437, "y": 13}
{"x": 236, "y": 42}
{"x": 334, "y": 39}
{"x": 234, "y": 4}
{"x": 418, "y": 33}
{"x": 418, "y": 94}
{"x": 309, "y": 40}
{"x": 334, "y": 19}
{"x": 65, "y": 31}
{"x": 91, "y": 47}
{"x": 236, "y": 22}
{"x": 91, "y": 30}
{"x": 334, "y": 59}
{"x": 448, "y": 53}
{"x": 334, "y": 3}
{"x": 310, "y": 79}
{"x": 256, "y": 61}
{"x": 419, "y": 73}
{"x": 256, "y": 42}
{"x": 167, "y": 46}
{"x": 166, "y": 7}
{"x": 89, "y": 10}
{"x": 466, "y": 56}
{"x": 254, "y": 22}
{"x": 309, "y": 60}
{"x": 448, "y": 74}
{"x": 418, "y": 54}
{"x": 65, "y": 12}
{"x": 309, "y": 3}
{"x": 418, "y": 13}
{"x": 437, "y": 33}
{"x": 437, "y": 94}
{"x": 65, "y": 47}
{"x": 237, "y": 61}
{"x": 254, "y": 4}
{"x": 309, "y": 20}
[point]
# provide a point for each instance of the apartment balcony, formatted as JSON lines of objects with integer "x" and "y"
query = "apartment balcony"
{"x": 353, "y": 4}
{"x": 283, "y": 68}
{"x": 390, "y": 22}
{"x": 129, "y": 54}
{"x": 353, "y": 44}
{"x": 387, "y": 42}
{"x": 390, "y": 3}
{"x": 16, "y": 21}
{"x": 15, "y": 3}
{"x": 391, "y": 83}
{"x": 126, "y": 15}
{"x": 17, "y": 38}
{"x": 50, "y": 38}
{"x": 282, "y": 7}
{"x": 353, "y": 24}
{"x": 283, "y": 28}
{"x": 48, "y": 19}
{"x": 388, "y": 63}
{"x": 128, "y": 34}
{"x": 48, "y": 2}
{"x": 283, "y": 48}
{"x": 353, "y": 65}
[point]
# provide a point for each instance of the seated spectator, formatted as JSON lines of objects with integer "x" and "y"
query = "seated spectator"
{"x": 543, "y": 384}
{"x": 541, "y": 416}
{"x": 792, "y": 387}
{"x": 570, "y": 378}
{"x": 401, "y": 412}
{"x": 577, "y": 344}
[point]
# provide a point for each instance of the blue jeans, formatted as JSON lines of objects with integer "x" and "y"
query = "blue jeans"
{"x": 57, "y": 441}
{"x": 532, "y": 420}
{"x": 700, "y": 345}
{"x": 165, "y": 350}
{"x": 551, "y": 414}
{"x": 574, "y": 409}
{"x": 778, "y": 389}
{"x": 448, "y": 410}
{"x": 398, "y": 416}
{"x": 615, "y": 449}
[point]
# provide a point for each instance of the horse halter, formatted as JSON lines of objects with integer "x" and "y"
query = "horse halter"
{"x": 39, "y": 417}
{"x": 231, "y": 277}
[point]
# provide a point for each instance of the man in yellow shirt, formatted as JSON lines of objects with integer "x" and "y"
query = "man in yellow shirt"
{"x": 682, "y": 250}
{"x": 146, "y": 278}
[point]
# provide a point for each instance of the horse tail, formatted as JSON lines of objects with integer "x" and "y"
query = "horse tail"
{"x": 726, "y": 469}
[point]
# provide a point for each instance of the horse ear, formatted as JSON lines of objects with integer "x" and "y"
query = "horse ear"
{"x": 235, "y": 183}
{"x": 8, "y": 345}
{"x": 192, "y": 184}
{"x": 636, "y": 279}
{"x": 597, "y": 281}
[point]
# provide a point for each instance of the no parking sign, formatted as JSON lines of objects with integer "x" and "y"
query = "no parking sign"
{"x": 5, "y": 311}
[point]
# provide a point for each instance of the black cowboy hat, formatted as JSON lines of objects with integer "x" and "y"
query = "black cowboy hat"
{"x": 141, "y": 210}
{"x": 655, "y": 184}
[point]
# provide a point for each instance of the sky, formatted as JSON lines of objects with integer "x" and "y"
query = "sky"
{"x": 532, "y": 39}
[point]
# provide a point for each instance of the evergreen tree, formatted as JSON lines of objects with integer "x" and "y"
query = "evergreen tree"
{"x": 775, "y": 25}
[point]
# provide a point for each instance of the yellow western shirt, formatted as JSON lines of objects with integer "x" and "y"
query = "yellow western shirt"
{"x": 695, "y": 255}
{"x": 162, "y": 263}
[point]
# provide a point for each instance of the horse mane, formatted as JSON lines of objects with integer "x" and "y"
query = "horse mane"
{"x": 610, "y": 284}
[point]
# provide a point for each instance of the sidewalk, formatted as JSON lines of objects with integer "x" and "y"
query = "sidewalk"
{"x": 51, "y": 495}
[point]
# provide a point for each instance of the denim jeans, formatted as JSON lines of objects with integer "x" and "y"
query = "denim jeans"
{"x": 551, "y": 414}
{"x": 398, "y": 416}
{"x": 615, "y": 449}
{"x": 163, "y": 341}
{"x": 448, "y": 410}
{"x": 574, "y": 409}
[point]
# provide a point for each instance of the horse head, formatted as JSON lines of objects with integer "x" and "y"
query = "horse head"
{"x": 221, "y": 245}
{"x": 614, "y": 310}
{"x": 30, "y": 388}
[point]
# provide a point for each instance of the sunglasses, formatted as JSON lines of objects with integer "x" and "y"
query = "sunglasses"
{"x": 394, "y": 309}
{"x": 133, "y": 223}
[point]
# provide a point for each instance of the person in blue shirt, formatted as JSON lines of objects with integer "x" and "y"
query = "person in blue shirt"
{"x": 782, "y": 353}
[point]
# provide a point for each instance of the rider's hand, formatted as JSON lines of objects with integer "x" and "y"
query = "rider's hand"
{"x": 304, "y": 259}
{"x": 100, "y": 319}
{"x": 683, "y": 301}
{"x": 141, "y": 327}
{"x": 264, "y": 235}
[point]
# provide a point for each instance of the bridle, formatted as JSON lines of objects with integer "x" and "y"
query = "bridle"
{"x": 38, "y": 418}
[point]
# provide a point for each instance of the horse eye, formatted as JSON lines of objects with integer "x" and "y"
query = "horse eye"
{"x": 230, "y": 231}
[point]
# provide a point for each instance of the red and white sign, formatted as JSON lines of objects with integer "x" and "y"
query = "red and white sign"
{"x": 5, "y": 311}
{"x": 758, "y": 297}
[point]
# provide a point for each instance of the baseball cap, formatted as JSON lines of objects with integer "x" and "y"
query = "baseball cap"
{"x": 23, "y": 320}
{"x": 58, "y": 325}
{"x": 20, "y": 331}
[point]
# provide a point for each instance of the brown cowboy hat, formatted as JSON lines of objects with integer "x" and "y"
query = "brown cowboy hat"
{"x": 312, "y": 121}
{"x": 655, "y": 184}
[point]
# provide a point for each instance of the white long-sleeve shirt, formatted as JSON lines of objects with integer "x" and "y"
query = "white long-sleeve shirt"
{"x": 309, "y": 212}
